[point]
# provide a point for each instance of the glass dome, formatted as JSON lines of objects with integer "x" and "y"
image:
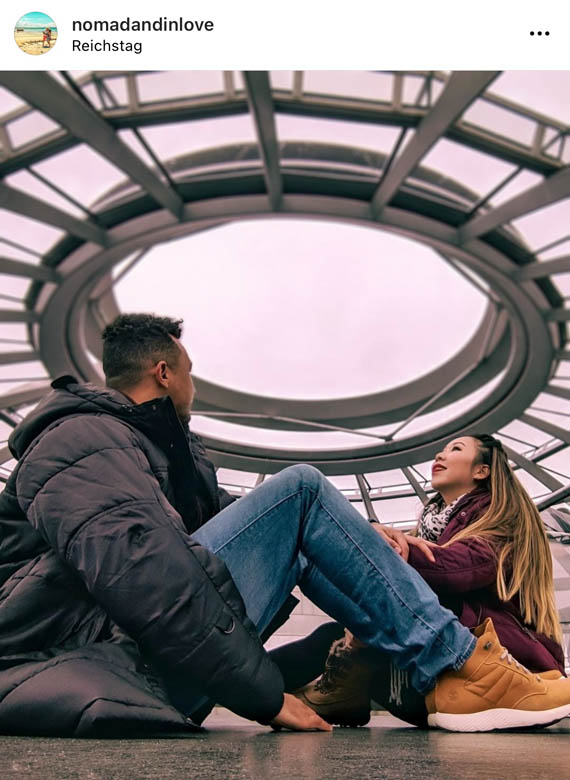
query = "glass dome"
{"x": 367, "y": 263}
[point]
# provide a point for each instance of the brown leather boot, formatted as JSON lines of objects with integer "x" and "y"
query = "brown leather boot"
{"x": 341, "y": 695}
{"x": 492, "y": 692}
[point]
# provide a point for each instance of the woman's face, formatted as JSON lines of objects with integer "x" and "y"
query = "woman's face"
{"x": 454, "y": 468}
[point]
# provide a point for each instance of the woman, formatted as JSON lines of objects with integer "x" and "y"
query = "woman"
{"x": 487, "y": 556}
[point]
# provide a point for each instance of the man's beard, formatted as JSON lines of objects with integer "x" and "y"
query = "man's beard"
{"x": 184, "y": 418}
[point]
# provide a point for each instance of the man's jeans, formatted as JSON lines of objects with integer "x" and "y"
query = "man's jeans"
{"x": 296, "y": 528}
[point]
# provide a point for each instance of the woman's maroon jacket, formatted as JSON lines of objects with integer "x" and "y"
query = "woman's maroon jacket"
{"x": 464, "y": 577}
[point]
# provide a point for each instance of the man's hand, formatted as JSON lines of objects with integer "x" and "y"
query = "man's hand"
{"x": 296, "y": 716}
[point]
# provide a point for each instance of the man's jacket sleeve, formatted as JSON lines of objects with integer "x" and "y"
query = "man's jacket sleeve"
{"x": 464, "y": 566}
{"x": 87, "y": 486}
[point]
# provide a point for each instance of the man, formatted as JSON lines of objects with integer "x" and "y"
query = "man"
{"x": 131, "y": 598}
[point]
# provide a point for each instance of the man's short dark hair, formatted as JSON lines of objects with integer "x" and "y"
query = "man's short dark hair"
{"x": 134, "y": 342}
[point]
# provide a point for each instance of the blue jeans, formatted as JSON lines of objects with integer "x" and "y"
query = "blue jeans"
{"x": 296, "y": 528}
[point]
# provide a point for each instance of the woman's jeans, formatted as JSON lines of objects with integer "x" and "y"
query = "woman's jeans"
{"x": 297, "y": 529}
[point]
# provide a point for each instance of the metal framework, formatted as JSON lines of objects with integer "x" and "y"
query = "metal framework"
{"x": 519, "y": 345}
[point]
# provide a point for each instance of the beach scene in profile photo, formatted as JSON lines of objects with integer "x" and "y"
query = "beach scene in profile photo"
{"x": 35, "y": 33}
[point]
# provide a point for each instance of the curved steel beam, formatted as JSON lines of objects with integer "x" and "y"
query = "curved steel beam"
{"x": 329, "y": 106}
{"x": 527, "y": 369}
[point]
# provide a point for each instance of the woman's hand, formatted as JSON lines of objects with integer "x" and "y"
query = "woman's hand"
{"x": 396, "y": 539}
{"x": 400, "y": 542}
{"x": 423, "y": 545}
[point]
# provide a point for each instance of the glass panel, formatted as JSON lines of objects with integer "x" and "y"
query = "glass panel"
{"x": 9, "y": 102}
{"x": 424, "y": 470}
{"x": 5, "y": 431}
{"x": 14, "y": 285}
{"x": 540, "y": 90}
{"x": 501, "y": 121}
{"x": 563, "y": 368}
{"x": 560, "y": 249}
{"x": 560, "y": 463}
{"x": 239, "y": 83}
{"x": 31, "y": 186}
{"x": 28, "y": 127}
{"x": 394, "y": 510}
{"x": 431, "y": 420}
{"x": 7, "y": 303}
{"x": 267, "y": 437}
{"x": 293, "y": 343}
{"x": 476, "y": 170}
{"x": 8, "y": 249}
{"x": 526, "y": 433}
{"x": 29, "y": 232}
{"x": 337, "y": 131}
{"x": 17, "y": 331}
{"x": 91, "y": 93}
{"x": 413, "y": 88}
{"x": 533, "y": 487}
{"x": 381, "y": 479}
{"x": 81, "y": 172}
{"x": 562, "y": 283}
{"x": 117, "y": 86}
{"x": 230, "y": 478}
{"x": 167, "y": 141}
{"x": 130, "y": 139}
{"x": 545, "y": 225}
{"x": 553, "y": 404}
{"x": 281, "y": 79}
{"x": 15, "y": 374}
{"x": 167, "y": 85}
{"x": 346, "y": 483}
{"x": 8, "y": 346}
{"x": 521, "y": 182}
{"x": 350, "y": 84}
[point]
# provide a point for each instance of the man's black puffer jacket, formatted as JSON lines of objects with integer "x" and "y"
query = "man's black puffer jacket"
{"x": 95, "y": 543}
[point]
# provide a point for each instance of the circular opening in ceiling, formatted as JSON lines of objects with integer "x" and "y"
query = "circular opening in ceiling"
{"x": 306, "y": 309}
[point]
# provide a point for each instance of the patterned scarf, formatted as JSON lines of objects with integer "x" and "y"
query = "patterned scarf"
{"x": 434, "y": 519}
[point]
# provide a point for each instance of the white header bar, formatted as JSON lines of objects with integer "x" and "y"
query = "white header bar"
{"x": 297, "y": 34}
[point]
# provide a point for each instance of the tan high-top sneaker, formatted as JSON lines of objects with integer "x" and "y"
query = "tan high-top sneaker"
{"x": 341, "y": 695}
{"x": 492, "y": 691}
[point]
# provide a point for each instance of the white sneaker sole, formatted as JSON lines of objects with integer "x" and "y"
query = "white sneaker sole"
{"x": 498, "y": 719}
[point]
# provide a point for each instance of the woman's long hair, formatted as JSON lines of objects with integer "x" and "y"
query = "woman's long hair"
{"x": 514, "y": 527}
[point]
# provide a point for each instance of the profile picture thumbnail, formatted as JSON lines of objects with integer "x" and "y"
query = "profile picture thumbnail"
{"x": 35, "y": 33}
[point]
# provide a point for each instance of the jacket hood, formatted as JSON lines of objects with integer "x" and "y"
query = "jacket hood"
{"x": 69, "y": 397}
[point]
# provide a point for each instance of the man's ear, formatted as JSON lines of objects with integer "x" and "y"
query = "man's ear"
{"x": 160, "y": 373}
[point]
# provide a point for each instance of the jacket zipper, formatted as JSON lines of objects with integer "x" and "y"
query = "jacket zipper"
{"x": 523, "y": 627}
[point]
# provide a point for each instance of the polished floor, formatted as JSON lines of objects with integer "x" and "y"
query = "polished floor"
{"x": 235, "y": 749}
